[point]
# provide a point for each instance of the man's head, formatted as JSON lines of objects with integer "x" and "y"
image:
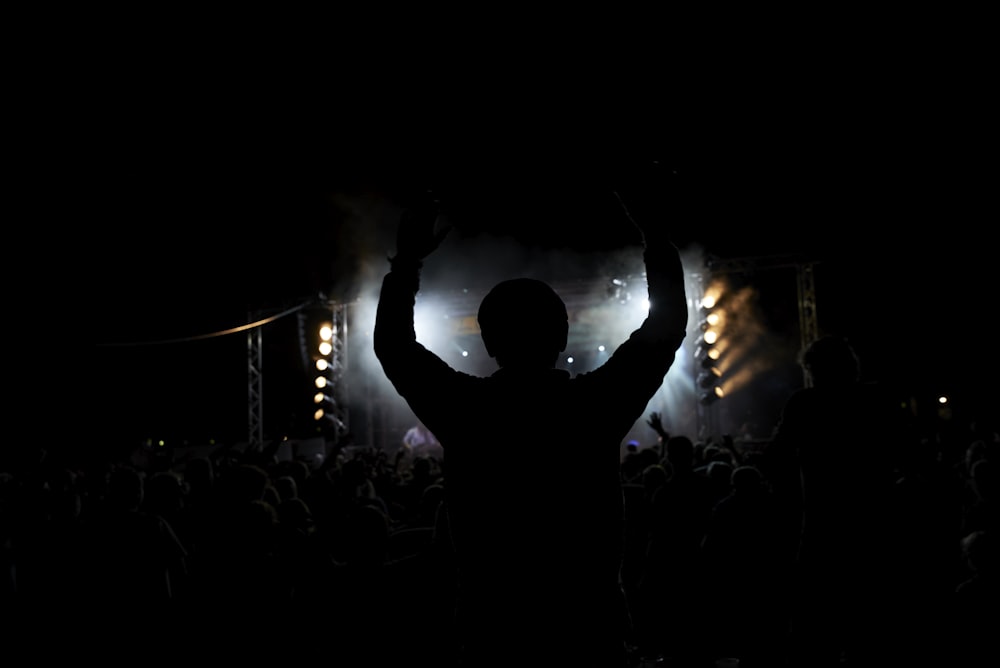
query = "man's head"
{"x": 831, "y": 361}
{"x": 523, "y": 323}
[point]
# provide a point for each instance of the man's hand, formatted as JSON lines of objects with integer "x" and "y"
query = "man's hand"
{"x": 656, "y": 423}
{"x": 416, "y": 236}
{"x": 648, "y": 193}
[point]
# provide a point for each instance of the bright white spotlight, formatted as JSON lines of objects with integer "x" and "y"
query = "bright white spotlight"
{"x": 433, "y": 327}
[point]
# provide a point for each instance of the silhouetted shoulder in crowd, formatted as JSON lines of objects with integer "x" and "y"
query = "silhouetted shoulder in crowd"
{"x": 135, "y": 562}
{"x": 976, "y": 610}
{"x": 538, "y": 546}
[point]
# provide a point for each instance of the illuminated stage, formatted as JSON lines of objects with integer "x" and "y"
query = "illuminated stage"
{"x": 754, "y": 372}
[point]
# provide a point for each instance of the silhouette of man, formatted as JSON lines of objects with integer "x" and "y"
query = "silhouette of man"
{"x": 834, "y": 460}
{"x": 539, "y": 543}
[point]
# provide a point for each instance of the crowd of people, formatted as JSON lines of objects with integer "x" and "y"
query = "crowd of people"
{"x": 352, "y": 552}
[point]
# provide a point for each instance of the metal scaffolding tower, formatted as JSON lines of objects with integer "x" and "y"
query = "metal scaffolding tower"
{"x": 255, "y": 421}
{"x": 808, "y": 325}
{"x": 339, "y": 362}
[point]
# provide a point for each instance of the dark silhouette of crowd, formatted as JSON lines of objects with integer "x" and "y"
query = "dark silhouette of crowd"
{"x": 853, "y": 536}
{"x": 350, "y": 556}
{"x": 226, "y": 547}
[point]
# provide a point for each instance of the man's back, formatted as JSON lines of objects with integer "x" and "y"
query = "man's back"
{"x": 531, "y": 457}
{"x": 834, "y": 461}
{"x": 534, "y": 492}
{"x": 847, "y": 442}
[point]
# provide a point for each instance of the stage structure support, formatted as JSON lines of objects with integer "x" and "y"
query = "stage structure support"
{"x": 255, "y": 412}
{"x": 339, "y": 364}
{"x": 808, "y": 324}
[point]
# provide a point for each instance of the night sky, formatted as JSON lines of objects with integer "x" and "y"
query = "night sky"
{"x": 219, "y": 199}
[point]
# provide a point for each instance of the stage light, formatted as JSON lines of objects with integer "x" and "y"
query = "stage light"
{"x": 618, "y": 290}
{"x": 706, "y": 354}
{"x": 326, "y": 414}
{"x": 711, "y": 396}
{"x": 325, "y": 405}
{"x": 705, "y": 351}
{"x": 709, "y": 377}
{"x": 327, "y": 419}
{"x": 709, "y": 321}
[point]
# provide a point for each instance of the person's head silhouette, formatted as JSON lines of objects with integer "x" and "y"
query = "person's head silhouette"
{"x": 831, "y": 361}
{"x": 524, "y": 323}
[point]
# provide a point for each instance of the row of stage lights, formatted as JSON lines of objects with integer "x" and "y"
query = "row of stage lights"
{"x": 321, "y": 334}
{"x": 708, "y": 351}
{"x": 324, "y": 368}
